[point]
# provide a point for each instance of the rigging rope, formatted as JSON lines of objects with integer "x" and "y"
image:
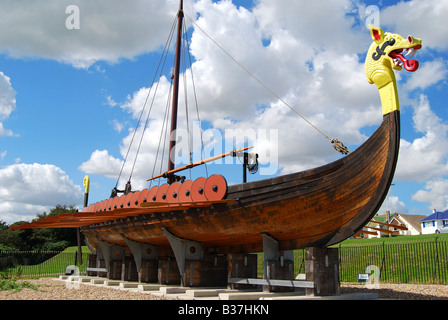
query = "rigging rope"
{"x": 195, "y": 102}
{"x": 163, "y": 133}
{"x": 163, "y": 58}
{"x": 336, "y": 143}
{"x": 184, "y": 67}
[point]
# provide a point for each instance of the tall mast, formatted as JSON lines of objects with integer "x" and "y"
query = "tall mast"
{"x": 172, "y": 149}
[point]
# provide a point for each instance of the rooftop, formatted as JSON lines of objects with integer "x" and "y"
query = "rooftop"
{"x": 436, "y": 216}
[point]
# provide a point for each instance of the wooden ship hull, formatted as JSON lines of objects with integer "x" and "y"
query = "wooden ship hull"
{"x": 314, "y": 208}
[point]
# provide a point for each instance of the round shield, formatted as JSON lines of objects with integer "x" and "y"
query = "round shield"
{"x": 143, "y": 197}
{"x": 134, "y": 199}
{"x": 161, "y": 195}
{"x": 185, "y": 191}
{"x": 102, "y": 205}
{"x": 127, "y": 200}
{"x": 172, "y": 195}
{"x": 115, "y": 204}
{"x": 120, "y": 202}
{"x": 215, "y": 188}
{"x": 197, "y": 189}
{"x": 109, "y": 204}
{"x": 151, "y": 197}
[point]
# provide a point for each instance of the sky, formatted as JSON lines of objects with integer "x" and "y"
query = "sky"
{"x": 75, "y": 75}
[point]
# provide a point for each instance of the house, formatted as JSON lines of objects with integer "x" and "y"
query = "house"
{"x": 376, "y": 228}
{"x": 436, "y": 220}
{"x": 410, "y": 221}
{"x": 383, "y": 225}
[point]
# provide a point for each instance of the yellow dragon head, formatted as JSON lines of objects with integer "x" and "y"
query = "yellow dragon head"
{"x": 389, "y": 51}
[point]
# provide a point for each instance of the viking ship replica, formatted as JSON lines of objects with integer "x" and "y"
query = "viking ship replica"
{"x": 202, "y": 222}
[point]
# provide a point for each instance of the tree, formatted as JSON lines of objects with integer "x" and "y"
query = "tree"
{"x": 39, "y": 239}
{"x": 9, "y": 239}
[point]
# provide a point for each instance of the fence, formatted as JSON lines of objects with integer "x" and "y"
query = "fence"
{"x": 419, "y": 262}
{"x": 39, "y": 263}
{"x": 423, "y": 262}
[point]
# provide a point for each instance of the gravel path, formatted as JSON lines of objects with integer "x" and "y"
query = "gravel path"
{"x": 400, "y": 291}
{"x": 50, "y": 289}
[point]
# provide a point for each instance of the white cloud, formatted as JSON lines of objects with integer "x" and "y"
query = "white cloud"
{"x": 109, "y": 30}
{"x": 435, "y": 193}
{"x": 393, "y": 204}
{"x": 304, "y": 68}
{"x": 425, "y": 19}
{"x": 11, "y": 212}
{"x": 117, "y": 125}
{"x": 29, "y": 189}
{"x": 110, "y": 101}
{"x": 430, "y": 73}
{"x": 425, "y": 157}
{"x": 5, "y": 132}
{"x": 144, "y": 97}
{"x": 101, "y": 162}
{"x": 7, "y": 102}
{"x": 323, "y": 25}
{"x": 284, "y": 64}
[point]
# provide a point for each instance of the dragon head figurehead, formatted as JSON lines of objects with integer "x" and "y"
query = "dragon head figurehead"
{"x": 389, "y": 51}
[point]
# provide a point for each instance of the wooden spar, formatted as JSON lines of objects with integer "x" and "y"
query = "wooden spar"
{"x": 198, "y": 163}
{"x": 390, "y": 225}
{"x": 88, "y": 218}
{"x": 358, "y": 234}
{"x": 380, "y": 230}
{"x": 171, "y": 150}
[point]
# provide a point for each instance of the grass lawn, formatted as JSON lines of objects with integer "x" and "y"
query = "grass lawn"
{"x": 398, "y": 239}
{"x": 401, "y": 259}
{"x": 52, "y": 263}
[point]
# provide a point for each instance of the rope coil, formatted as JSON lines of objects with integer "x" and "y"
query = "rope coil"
{"x": 339, "y": 146}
